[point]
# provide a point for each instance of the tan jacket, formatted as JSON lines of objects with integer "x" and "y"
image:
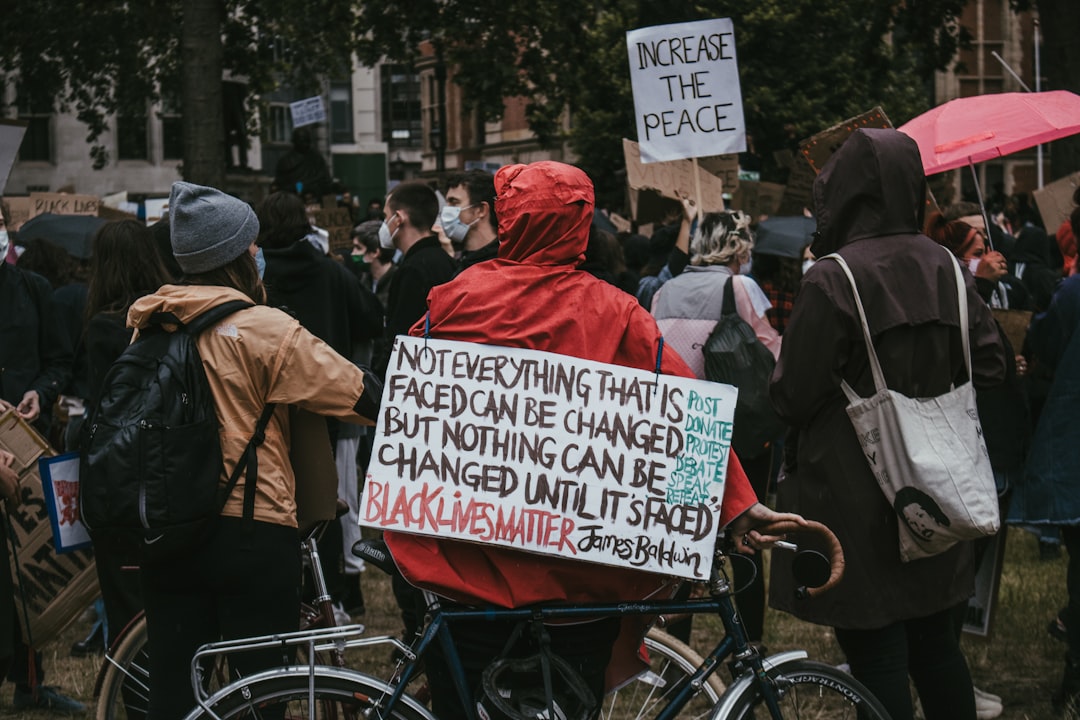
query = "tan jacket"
{"x": 256, "y": 356}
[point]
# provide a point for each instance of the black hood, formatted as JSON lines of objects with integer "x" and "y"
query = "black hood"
{"x": 292, "y": 269}
{"x": 872, "y": 186}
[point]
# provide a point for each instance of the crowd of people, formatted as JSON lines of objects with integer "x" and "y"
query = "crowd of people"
{"x": 521, "y": 259}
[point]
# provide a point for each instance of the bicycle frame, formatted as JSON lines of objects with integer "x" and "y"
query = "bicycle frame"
{"x": 751, "y": 668}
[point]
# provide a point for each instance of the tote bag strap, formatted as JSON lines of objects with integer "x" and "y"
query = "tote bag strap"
{"x": 875, "y": 365}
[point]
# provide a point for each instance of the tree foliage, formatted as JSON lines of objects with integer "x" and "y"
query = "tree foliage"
{"x": 100, "y": 58}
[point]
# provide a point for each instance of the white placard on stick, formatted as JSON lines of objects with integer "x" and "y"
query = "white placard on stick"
{"x": 687, "y": 97}
{"x": 308, "y": 111}
{"x": 550, "y": 454}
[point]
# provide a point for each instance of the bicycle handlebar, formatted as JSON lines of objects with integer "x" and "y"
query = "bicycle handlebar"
{"x": 833, "y": 550}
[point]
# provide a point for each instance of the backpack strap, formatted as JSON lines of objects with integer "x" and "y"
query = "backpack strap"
{"x": 249, "y": 460}
{"x": 728, "y": 307}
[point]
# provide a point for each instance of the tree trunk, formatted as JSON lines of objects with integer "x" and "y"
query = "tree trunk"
{"x": 201, "y": 62}
{"x": 1060, "y": 61}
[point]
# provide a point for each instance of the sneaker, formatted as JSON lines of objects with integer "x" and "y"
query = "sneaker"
{"x": 986, "y": 709}
{"x": 47, "y": 697}
{"x": 987, "y": 695}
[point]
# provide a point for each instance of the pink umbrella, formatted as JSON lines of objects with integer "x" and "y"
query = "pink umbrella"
{"x": 982, "y": 127}
{"x": 974, "y": 129}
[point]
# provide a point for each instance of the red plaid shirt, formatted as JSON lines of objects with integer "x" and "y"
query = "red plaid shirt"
{"x": 782, "y": 303}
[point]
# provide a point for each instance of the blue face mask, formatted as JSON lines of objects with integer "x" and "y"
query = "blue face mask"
{"x": 260, "y": 263}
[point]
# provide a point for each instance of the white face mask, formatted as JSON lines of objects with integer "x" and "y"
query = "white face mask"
{"x": 386, "y": 238}
{"x": 450, "y": 220}
{"x": 806, "y": 265}
{"x": 746, "y": 267}
{"x": 973, "y": 263}
{"x": 3, "y": 244}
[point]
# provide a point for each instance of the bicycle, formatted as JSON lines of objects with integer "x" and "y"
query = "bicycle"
{"x": 785, "y": 685}
{"x": 122, "y": 688}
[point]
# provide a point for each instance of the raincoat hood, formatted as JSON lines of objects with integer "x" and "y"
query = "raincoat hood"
{"x": 535, "y": 224}
{"x": 183, "y": 301}
{"x": 872, "y": 186}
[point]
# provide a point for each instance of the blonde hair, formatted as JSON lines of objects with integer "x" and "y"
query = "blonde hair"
{"x": 721, "y": 238}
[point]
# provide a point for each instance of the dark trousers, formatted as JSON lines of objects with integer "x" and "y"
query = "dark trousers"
{"x": 22, "y": 665}
{"x": 1070, "y": 535}
{"x": 585, "y": 646}
{"x": 244, "y": 582}
{"x": 926, "y": 649}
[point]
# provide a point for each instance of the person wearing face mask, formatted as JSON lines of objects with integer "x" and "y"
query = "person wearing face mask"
{"x": 35, "y": 363}
{"x": 408, "y": 215}
{"x": 989, "y": 267}
{"x": 687, "y": 308}
{"x": 468, "y": 218}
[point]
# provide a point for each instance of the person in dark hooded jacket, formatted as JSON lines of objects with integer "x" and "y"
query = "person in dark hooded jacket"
{"x": 892, "y": 619}
{"x": 534, "y": 295}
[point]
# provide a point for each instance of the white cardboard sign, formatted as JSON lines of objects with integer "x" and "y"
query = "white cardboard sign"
{"x": 550, "y": 454}
{"x": 308, "y": 111}
{"x": 687, "y": 98}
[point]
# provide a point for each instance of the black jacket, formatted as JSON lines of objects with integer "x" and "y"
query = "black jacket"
{"x": 34, "y": 352}
{"x": 323, "y": 295}
{"x": 423, "y": 267}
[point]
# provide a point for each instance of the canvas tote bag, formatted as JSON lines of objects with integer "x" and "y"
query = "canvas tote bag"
{"x": 927, "y": 454}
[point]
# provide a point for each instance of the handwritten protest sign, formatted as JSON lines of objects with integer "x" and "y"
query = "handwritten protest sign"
{"x": 63, "y": 204}
{"x": 820, "y": 147}
{"x": 1055, "y": 201}
{"x": 550, "y": 454}
{"x": 60, "y": 482}
{"x": 308, "y": 111}
{"x": 51, "y": 589}
{"x": 687, "y": 99}
{"x": 656, "y": 188}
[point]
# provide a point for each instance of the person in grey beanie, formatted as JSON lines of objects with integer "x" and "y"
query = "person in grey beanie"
{"x": 244, "y": 579}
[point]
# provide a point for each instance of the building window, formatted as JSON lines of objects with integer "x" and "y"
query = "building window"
{"x": 341, "y": 126}
{"x": 401, "y": 119}
{"x": 278, "y": 124}
{"x": 172, "y": 130}
{"x": 37, "y": 142}
{"x": 131, "y": 137}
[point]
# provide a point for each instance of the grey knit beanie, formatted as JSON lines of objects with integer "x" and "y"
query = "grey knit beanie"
{"x": 208, "y": 228}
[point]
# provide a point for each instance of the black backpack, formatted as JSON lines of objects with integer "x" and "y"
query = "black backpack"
{"x": 151, "y": 451}
{"x": 734, "y": 355}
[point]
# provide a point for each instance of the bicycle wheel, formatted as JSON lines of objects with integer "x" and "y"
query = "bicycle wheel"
{"x": 287, "y": 692}
{"x": 124, "y": 692}
{"x": 812, "y": 690}
{"x": 670, "y": 661}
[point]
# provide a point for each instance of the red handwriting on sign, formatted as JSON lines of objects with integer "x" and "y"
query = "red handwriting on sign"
{"x": 67, "y": 497}
{"x": 428, "y": 510}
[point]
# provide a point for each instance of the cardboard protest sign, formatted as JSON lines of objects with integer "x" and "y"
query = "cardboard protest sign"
{"x": 20, "y": 211}
{"x": 51, "y": 589}
{"x": 757, "y": 198}
{"x": 687, "y": 98}
{"x": 337, "y": 222}
{"x": 63, "y": 204}
{"x": 725, "y": 167}
{"x": 11, "y": 136}
{"x": 60, "y": 483}
{"x": 820, "y": 147}
{"x": 550, "y": 454}
{"x": 657, "y": 188}
{"x": 1055, "y": 201}
{"x": 798, "y": 194}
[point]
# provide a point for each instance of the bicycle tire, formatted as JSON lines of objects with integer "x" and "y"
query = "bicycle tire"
{"x": 340, "y": 695}
{"x": 670, "y": 660}
{"x": 125, "y": 687}
{"x": 810, "y": 689}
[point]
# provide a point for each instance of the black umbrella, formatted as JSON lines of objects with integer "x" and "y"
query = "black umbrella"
{"x": 74, "y": 233}
{"x": 784, "y": 236}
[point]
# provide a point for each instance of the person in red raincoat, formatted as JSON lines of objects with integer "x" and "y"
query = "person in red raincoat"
{"x": 533, "y": 296}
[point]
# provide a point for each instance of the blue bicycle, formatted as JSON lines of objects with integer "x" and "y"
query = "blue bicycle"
{"x": 782, "y": 686}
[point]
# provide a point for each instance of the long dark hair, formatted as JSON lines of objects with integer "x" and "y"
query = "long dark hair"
{"x": 240, "y": 274}
{"x": 124, "y": 266}
{"x": 282, "y": 220}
